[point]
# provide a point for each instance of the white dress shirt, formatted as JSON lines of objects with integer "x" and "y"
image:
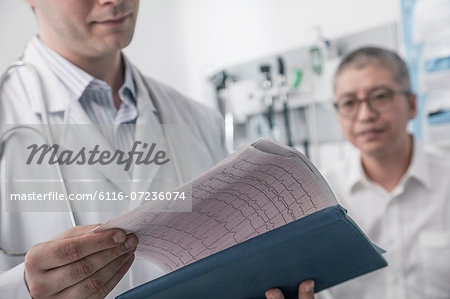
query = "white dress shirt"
{"x": 412, "y": 223}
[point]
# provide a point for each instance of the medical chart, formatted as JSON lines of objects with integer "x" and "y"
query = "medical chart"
{"x": 255, "y": 190}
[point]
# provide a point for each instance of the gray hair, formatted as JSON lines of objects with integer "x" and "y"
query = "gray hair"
{"x": 363, "y": 57}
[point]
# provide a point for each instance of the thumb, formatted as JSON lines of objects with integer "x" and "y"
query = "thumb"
{"x": 306, "y": 290}
{"x": 76, "y": 231}
{"x": 274, "y": 294}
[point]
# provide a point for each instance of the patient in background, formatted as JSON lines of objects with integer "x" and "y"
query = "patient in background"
{"x": 395, "y": 190}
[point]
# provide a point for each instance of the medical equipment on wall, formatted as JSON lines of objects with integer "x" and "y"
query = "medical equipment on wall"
{"x": 295, "y": 107}
{"x": 323, "y": 50}
{"x": 266, "y": 86}
{"x": 221, "y": 82}
{"x": 283, "y": 97}
{"x": 49, "y": 138}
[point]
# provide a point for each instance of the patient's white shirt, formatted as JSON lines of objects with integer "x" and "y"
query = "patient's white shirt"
{"x": 412, "y": 223}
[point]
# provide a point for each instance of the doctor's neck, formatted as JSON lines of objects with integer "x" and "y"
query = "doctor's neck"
{"x": 108, "y": 67}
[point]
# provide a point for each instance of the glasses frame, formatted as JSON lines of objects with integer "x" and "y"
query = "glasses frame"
{"x": 367, "y": 101}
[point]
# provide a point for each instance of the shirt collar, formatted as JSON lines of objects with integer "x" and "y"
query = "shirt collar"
{"x": 419, "y": 170}
{"x": 128, "y": 91}
{"x": 355, "y": 173}
{"x": 74, "y": 78}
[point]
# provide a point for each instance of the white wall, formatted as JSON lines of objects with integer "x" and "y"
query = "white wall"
{"x": 180, "y": 41}
{"x": 158, "y": 47}
{"x": 17, "y": 26}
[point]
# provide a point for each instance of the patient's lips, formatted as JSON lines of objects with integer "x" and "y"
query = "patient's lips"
{"x": 370, "y": 133}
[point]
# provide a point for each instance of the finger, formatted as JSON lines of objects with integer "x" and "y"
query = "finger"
{"x": 306, "y": 290}
{"x": 68, "y": 275}
{"x": 96, "y": 283}
{"x": 57, "y": 253}
{"x": 76, "y": 231}
{"x": 274, "y": 294}
{"x": 111, "y": 284}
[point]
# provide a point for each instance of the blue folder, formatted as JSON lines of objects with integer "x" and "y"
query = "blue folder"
{"x": 326, "y": 246}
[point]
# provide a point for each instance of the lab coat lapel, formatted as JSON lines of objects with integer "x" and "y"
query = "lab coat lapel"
{"x": 187, "y": 148}
{"x": 112, "y": 173}
{"x": 151, "y": 177}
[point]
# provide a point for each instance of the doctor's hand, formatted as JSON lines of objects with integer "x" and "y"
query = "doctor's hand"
{"x": 79, "y": 263}
{"x": 305, "y": 291}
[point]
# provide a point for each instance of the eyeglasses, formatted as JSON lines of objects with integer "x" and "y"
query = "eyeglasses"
{"x": 379, "y": 100}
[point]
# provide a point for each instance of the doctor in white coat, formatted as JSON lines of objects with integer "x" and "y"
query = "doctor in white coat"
{"x": 77, "y": 50}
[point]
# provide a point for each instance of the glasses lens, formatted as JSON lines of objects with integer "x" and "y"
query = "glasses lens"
{"x": 347, "y": 105}
{"x": 381, "y": 100}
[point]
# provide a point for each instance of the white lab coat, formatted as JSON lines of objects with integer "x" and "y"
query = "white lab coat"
{"x": 20, "y": 231}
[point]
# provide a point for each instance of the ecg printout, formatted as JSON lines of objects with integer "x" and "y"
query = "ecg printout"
{"x": 253, "y": 191}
